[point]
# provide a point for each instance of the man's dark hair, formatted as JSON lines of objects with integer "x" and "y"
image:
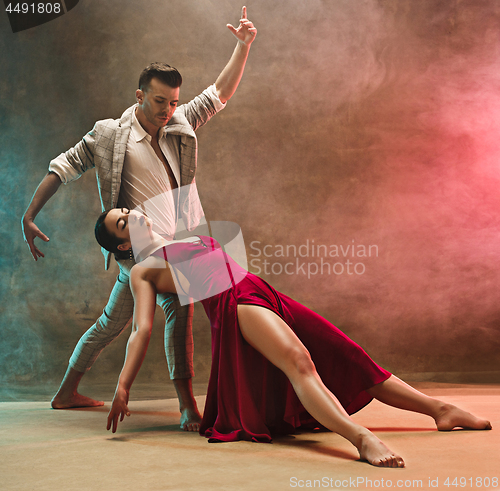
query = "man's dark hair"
{"x": 163, "y": 72}
{"x": 107, "y": 239}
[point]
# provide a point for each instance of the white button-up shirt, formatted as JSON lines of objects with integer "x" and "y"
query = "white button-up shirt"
{"x": 144, "y": 176}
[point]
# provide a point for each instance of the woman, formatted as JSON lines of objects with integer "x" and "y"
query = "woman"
{"x": 263, "y": 378}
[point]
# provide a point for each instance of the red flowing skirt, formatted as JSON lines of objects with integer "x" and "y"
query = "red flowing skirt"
{"x": 248, "y": 397}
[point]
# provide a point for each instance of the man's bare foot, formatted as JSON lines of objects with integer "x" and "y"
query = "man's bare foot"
{"x": 451, "y": 417}
{"x": 75, "y": 400}
{"x": 190, "y": 420}
{"x": 372, "y": 450}
{"x": 67, "y": 395}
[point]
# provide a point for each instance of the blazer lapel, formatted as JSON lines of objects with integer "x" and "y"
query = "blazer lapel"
{"x": 179, "y": 125}
{"x": 119, "y": 150}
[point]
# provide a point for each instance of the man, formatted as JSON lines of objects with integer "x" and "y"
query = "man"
{"x": 148, "y": 152}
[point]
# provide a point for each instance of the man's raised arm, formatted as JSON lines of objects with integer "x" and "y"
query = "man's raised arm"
{"x": 230, "y": 77}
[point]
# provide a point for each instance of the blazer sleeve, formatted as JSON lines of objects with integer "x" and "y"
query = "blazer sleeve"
{"x": 202, "y": 108}
{"x": 70, "y": 166}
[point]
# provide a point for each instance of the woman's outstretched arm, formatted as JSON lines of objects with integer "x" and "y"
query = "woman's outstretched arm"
{"x": 144, "y": 292}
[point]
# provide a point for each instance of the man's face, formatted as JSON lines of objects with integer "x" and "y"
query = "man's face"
{"x": 158, "y": 103}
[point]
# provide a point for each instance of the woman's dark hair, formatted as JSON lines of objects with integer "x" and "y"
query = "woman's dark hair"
{"x": 107, "y": 239}
{"x": 163, "y": 72}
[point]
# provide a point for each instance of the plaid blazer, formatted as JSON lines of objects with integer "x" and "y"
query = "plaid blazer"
{"x": 105, "y": 145}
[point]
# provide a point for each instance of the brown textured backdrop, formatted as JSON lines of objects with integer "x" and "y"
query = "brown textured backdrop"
{"x": 357, "y": 123}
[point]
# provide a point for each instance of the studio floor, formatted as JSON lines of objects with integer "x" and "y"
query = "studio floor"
{"x": 44, "y": 449}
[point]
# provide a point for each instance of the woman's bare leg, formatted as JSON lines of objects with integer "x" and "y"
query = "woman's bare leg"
{"x": 397, "y": 393}
{"x": 273, "y": 338}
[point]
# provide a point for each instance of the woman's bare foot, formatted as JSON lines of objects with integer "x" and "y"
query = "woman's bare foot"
{"x": 190, "y": 419}
{"x": 372, "y": 450}
{"x": 451, "y": 417}
{"x": 74, "y": 400}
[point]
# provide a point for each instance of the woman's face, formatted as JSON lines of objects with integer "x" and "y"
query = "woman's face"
{"x": 130, "y": 226}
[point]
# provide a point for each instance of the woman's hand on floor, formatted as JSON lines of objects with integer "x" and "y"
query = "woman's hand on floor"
{"x": 119, "y": 408}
